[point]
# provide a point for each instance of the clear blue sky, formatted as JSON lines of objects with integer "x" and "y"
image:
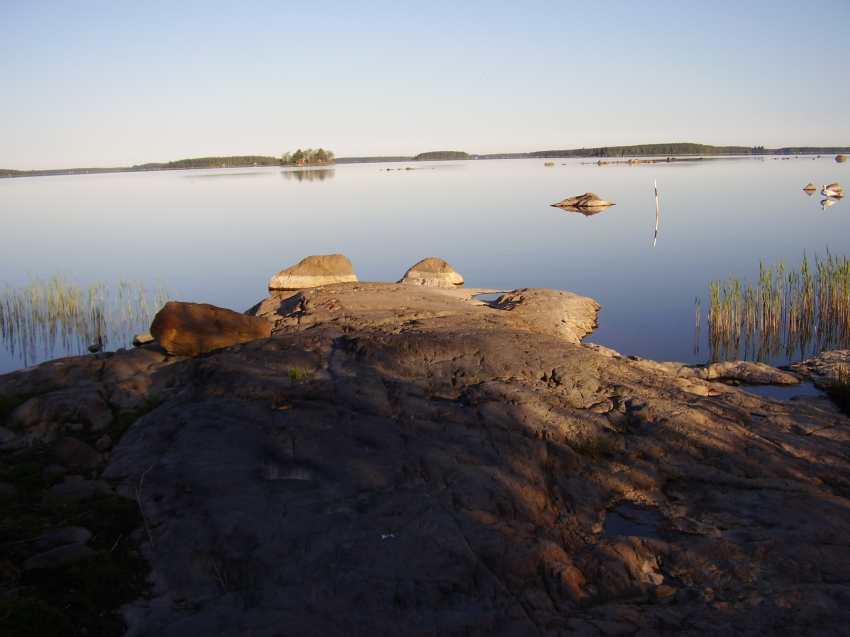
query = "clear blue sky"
{"x": 101, "y": 83}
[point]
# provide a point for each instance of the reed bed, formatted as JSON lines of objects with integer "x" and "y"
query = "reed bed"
{"x": 790, "y": 313}
{"x": 48, "y": 317}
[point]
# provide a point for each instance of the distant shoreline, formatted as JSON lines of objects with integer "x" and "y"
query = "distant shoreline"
{"x": 611, "y": 153}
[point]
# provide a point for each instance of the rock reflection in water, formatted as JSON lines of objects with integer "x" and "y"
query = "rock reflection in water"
{"x": 587, "y": 212}
{"x": 310, "y": 174}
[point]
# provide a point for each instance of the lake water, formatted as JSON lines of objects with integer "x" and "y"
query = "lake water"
{"x": 217, "y": 235}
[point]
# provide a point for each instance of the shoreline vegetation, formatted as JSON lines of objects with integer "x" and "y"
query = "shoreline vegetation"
{"x": 322, "y": 157}
{"x": 798, "y": 312}
{"x": 55, "y": 316}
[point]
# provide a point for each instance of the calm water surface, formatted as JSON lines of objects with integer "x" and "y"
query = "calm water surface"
{"x": 217, "y": 235}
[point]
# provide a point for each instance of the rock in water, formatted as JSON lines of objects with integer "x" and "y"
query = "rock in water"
{"x": 433, "y": 273}
{"x": 833, "y": 190}
{"x": 313, "y": 271}
{"x": 189, "y": 329}
{"x": 588, "y": 200}
{"x": 841, "y": 158}
{"x": 810, "y": 189}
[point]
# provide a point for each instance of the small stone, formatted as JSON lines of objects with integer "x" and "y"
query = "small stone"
{"x": 104, "y": 443}
{"x": 142, "y": 339}
{"x": 63, "y": 537}
{"x": 57, "y": 557}
{"x": 665, "y": 592}
{"x": 75, "y": 489}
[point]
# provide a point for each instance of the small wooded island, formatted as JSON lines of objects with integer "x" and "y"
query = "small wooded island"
{"x": 442, "y": 155}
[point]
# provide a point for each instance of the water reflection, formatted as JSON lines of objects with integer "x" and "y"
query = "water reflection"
{"x": 587, "y": 212}
{"x": 218, "y": 240}
{"x": 309, "y": 174}
{"x": 253, "y": 173}
{"x": 44, "y": 319}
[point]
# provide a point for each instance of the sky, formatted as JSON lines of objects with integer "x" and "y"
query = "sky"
{"x": 113, "y": 83}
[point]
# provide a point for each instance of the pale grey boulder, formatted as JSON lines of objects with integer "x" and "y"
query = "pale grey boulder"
{"x": 313, "y": 271}
{"x": 432, "y": 272}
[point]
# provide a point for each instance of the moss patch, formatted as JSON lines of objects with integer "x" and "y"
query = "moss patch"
{"x": 82, "y": 598}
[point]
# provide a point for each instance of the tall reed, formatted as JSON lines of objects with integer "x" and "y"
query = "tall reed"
{"x": 46, "y": 317}
{"x": 790, "y": 312}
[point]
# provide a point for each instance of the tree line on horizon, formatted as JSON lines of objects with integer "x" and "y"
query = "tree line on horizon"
{"x": 307, "y": 157}
{"x": 682, "y": 148}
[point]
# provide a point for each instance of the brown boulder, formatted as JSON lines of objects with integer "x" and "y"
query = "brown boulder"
{"x": 432, "y": 272}
{"x": 189, "y": 329}
{"x": 841, "y": 158}
{"x": 588, "y": 200}
{"x": 313, "y": 271}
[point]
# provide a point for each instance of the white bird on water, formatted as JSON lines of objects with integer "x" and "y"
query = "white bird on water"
{"x": 832, "y": 190}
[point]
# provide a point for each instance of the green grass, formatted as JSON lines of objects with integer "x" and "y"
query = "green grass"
{"x": 791, "y": 312}
{"x": 54, "y": 314}
{"x": 297, "y": 374}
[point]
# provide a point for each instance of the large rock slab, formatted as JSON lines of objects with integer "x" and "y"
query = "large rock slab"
{"x": 556, "y": 312}
{"x": 432, "y": 272}
{"x": 477, "y": 476}
{"x": 400, "y": 459}
{"x": 189, "y": 329}
{"x": 313, "y": 271}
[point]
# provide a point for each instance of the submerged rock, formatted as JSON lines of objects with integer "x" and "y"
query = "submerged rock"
{"x": 748, "y": 372}
{"x": 314, "y": 271}
{"x": 432, "y": 272}
{"x": 589, "y": 201}
{"x": 189, "y": 329}
{"x": 825, "y": 368}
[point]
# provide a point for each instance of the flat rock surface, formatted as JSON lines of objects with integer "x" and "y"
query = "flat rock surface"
{"x": 397, "y": 460}
{"x": 826, "y": 367}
